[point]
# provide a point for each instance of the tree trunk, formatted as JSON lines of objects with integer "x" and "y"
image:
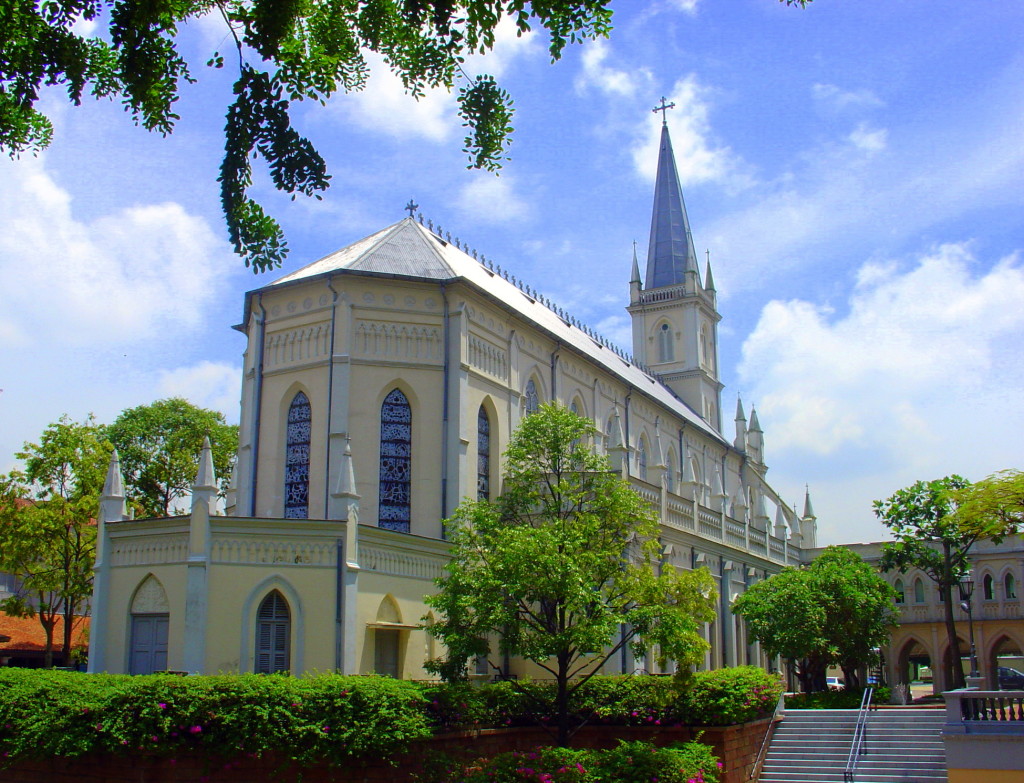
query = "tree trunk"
{"x": 955, "y": 669}
{"x": 562, "y": 701}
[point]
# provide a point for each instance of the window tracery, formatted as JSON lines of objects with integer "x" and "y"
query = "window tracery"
{"x": 395, "y": 508}
{"x": 296, "y": 461}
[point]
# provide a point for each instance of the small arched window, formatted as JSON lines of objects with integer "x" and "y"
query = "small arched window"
{"x": 483, "y": 455}
{"x": 1010, "y": 587}
{"x": 918, "y": 591}
{"x": 670, "y": 472}
{"x": 665, "y": 352}
{"x": 296, "y": 458}
{"x": 531, "y": 400}
{"x": 641, "y": 460}
{"x": 273, "y": 635}
{"x": 987, "y": 587}
{"x": 395, "y": 507}
{"x": 609, "y": 425}
{"x": 900, "y": 596}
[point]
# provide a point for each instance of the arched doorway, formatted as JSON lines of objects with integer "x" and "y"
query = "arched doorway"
{"x": 950, "y": 659}
{"x": 913, "y": 665}
{"x": 1005, "y": 653}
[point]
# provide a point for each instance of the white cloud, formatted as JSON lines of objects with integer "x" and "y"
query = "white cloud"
{"x": 121, "y": 278}
{"x": 491, "y": 199}
{"x": 385, "y": 105}
{"x": 698, "y": 157}
{"x": 839, "y": 99}
{"x": 215, "y": 385}
{"x": 869, "y": 140}
{"x": 596, "y": 74}
{"x": 914, "y": 380}
{"x": 689, "y": 6}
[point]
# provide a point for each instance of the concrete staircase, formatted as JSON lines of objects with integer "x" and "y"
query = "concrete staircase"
{"x": 813, "y": 746}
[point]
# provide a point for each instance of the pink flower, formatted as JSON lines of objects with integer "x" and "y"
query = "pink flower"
{"x": 162, "y": 705}
{"x": 195, "y": 730}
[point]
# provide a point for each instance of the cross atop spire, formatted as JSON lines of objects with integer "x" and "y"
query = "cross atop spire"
{"x": 664, "y": 110}
{"x": 411, "y": 207}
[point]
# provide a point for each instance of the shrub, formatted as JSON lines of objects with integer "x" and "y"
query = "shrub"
{"x": 846, "y": 699}
{"x": 726, "y": 696}
{"x": 630, "y": 762}
{"x": 326, "y": 718}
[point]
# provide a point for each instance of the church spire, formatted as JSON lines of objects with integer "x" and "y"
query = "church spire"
{"x": 671, "y": 259}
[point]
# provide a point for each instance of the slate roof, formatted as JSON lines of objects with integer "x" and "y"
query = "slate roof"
{"x": 670, "y": 253}
{"x": 408, "y": 249}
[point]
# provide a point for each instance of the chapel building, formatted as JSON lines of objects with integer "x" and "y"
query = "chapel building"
{"x": 381, "y": 385}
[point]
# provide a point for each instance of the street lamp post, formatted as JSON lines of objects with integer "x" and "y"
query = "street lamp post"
{"x": 966, "y": 591}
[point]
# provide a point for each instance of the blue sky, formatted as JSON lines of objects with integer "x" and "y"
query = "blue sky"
{"x": 856, "y": 170}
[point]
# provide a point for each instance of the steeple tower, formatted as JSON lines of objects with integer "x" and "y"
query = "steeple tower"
{"x": 675, "y": 317}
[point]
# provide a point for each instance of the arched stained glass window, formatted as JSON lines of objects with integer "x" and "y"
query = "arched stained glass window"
{"x": 395, "y": 508}
{"x": 296, "y": 459}
{"x": 483, "y": 455}
{"x": 665, "y": 352}
{"x": 531, "y": 400}
{"x": 641, "y": 460}
{"x": 273, "y": 635}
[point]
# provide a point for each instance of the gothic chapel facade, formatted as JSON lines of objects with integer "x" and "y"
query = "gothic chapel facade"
{"x": 381, "y": 384}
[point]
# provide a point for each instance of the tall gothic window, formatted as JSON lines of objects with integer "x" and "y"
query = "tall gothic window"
{"x": 296, "y": 459}
{"x": 900, "y": 596}
{"x": 394, "y": 509}
{"x": 273, "y": 635}
{"x": 531, "y": 400}
{"x": 641, "y": 460}
{"x": 483, "y": 455}
{"x": 1010, "y": 587}
{"x": 987, "y": 587}
{"x": 665, "y": 344}
{"x": 670, "y": 472}
{"x": 918, "y": 591}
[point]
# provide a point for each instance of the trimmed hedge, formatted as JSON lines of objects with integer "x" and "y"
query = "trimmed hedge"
{"x": 630, "y": 762}
{"x": 327, "y": 718}
{"x": 845, "y": 699}
{"x": 331, "y": 718}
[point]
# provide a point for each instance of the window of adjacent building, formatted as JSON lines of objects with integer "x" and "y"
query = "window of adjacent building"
{"x": 296, "y": 459}
{"x": 918, "y": 591}
{"x": 988, "y": 588}
{"x": 665, "y": 352}
{"x": 531, "y": 400}
{"x": 273, "y": 635}
{"x": 483, "y": 455}
{"x": 395, "y": 506}
{"x": 1010, "y": 586}
{"x": 900, "y": 596}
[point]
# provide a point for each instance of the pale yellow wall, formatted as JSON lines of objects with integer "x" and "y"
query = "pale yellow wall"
{"x": 124, "y": 582}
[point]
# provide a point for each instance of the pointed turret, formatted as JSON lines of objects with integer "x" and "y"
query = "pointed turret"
{"x": 709, "y": 280}
{"x": 741, "y": 426}
{"x": 780, "y": 522}
{"x": 205, "y": 477}
{"x": 671, "y": 259}
{"x": 755, "y": 439}
{"x": 618, "y": 451}
{"x": 635, "y": 282}
{"x": 808, "y": 509}
{"x": 346, "y": 476}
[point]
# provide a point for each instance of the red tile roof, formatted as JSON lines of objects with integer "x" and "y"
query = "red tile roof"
{"x": 27, "y": 634}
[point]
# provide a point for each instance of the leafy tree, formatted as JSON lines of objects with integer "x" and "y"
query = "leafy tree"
{"x": 47, "y": 525}
{"x": 835, "y": 611}
{"x": 562, "y": 568}
{"x": 158, "y": 446}
{"x": 993, "y": 506}
{"x": 924, "y": 521}
{"x": 284, "y": 53}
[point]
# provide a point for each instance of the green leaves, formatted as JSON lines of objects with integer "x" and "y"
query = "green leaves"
{"x": 834, "y": 612}
{"x": 158, "y": 446}
{"x": 557, "y": 566}
{"x": 308, "y": 50}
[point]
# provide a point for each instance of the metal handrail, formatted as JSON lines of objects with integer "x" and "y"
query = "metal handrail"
{"x": 858, "y": 747}
{"x": 780, "y": 706}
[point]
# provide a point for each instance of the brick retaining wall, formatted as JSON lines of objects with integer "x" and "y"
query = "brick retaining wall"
{"x": 736, "y": 746}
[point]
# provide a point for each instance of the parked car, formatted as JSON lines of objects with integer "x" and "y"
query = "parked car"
{"x": 834, "y": 683}
{"x": 1010, "y": 679}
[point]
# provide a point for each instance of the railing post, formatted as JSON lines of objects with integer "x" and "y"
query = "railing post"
{"x": 954, "y": 712}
